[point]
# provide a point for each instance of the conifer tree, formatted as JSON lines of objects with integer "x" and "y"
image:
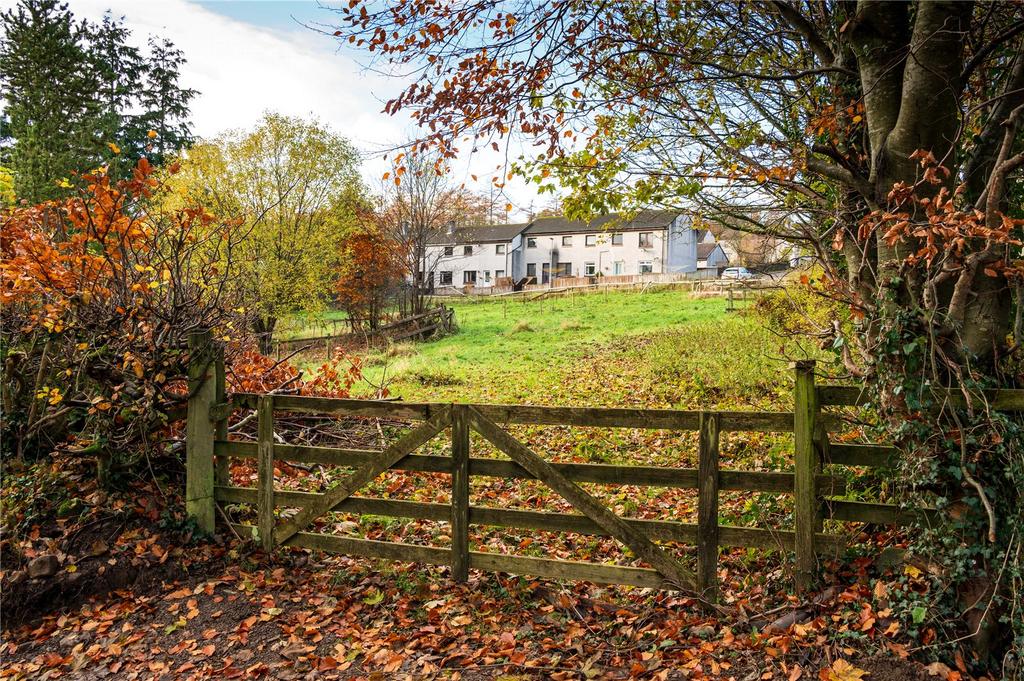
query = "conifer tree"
{"x": 120, "y": 68}
{"x": 51, "y": 91}
{"x": 164, "y": 101}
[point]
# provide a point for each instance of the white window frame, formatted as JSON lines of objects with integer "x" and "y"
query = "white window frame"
{"x": 441, "y": 278}
{"x": 645, "y": 264}
{"x": 589, "y": 269}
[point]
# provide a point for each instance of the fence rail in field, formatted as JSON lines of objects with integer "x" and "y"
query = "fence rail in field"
{"x": 420, "y": 325}
{"x": 816, "y": 493}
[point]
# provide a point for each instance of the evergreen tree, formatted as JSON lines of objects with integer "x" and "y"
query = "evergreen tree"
{"x": 120, "y": 68}
{"x": 165, "y": 103}
{"x": 50, "y": 86}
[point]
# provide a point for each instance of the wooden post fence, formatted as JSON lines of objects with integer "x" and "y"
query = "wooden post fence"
{"x": 817, "y": 495}
{"x": 707, "y": 506}
{"x": 205, "y": 375}
{"x": 460, "y": 493}
{"x": 807, "y": 464}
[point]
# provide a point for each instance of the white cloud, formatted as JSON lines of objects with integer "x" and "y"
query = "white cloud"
{"x": 241, "y": 70}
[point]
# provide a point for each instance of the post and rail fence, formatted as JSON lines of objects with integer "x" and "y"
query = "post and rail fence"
{"x": 817, "y": 494}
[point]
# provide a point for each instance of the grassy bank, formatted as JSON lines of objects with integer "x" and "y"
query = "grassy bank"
{"x": 657, "y": 349}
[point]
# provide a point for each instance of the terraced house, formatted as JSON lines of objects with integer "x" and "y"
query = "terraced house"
{"x": 653, "y": 242}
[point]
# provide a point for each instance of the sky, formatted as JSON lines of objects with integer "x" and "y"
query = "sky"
{"x": 250, "y": 56}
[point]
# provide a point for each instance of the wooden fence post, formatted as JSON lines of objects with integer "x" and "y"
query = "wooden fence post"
{"x": 199, "y": 503}
{"x": 265, "y": 470}
{"x": 460, "y": 494}
{"x": 807, "y": 464}
{"x": 707, "y": 507}
{"x": 222, "y": 471}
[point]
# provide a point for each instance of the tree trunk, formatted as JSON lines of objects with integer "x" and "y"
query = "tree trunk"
{"x": 264, "y": 328}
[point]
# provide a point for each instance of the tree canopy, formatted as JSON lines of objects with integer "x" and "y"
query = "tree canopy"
{"x": 294, "y": 188}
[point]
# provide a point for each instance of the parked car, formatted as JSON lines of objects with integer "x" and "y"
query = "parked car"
{"x": 737, "y": 273}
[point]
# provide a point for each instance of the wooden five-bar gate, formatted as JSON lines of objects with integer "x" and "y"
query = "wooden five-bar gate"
{"x": 815, "y": 492}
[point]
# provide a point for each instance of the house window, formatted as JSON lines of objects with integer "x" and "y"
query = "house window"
{"x": 469, "y": 277}
{"x": 499, "y": 274}
{"x": 565, "y": 269}
{"x": 567, "y": 241}
{"x": 531, "y": 270}
{"x": 589, "y": 269}
{"x": 619, "y": 267}
{"x": 449, "y": 250}
{"x": 446, "y": 278}
{"x": 646, "y": 267}
{"x": 487, "y": 275}
{"x": 617, "y": 239}
{"x": 467, "y": 250}
{"x": 531, "y": 242}
{"x": 499, "y": 249}
{"x": 646, "y": 240}
{"x": 545, "y": 272}
{"x": 591, "y": 240}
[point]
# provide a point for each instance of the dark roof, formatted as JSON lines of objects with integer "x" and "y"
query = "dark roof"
{"x": 480, "y": 234}
{"x": 648, "y": 219}
{"x": 705, "y": 250}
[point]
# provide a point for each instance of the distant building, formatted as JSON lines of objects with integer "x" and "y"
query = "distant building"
{"x": 711, "y": 256}
{"x": 653, "y": 242}
{"x": 475, "y": 256}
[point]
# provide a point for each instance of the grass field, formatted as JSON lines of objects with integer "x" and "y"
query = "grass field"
{"x": 656, "y": 349}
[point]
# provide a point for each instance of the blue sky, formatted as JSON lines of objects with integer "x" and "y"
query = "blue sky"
{"x": 273, "y": 14}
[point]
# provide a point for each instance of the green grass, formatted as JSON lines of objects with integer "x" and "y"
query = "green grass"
{"x": 656, "y": 349}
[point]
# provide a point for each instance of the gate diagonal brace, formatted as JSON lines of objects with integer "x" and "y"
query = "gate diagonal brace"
{"x": 590, "y": 506}
{"x": 363, "y": 476}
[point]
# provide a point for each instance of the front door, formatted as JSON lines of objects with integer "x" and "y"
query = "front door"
{"x": 545, "y": 273}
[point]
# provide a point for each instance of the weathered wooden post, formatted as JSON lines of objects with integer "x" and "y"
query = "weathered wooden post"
{"x": 265, "y": 470}
{"x": 707, "y": 507}
{"x": 199, "y": 431}
{"x": 222, "y": 470}
{"x": 460, "y": 494}
{"x": 807, "y": 465}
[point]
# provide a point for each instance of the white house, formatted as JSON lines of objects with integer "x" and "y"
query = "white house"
{"x": 474, "y": 256}
{"x": 655, "y": 241}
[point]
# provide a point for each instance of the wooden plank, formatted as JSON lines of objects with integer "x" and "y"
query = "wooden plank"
{"x": 460, "y": 494}
{"x": 842, "y": 396}
{"x": 569, "y": 570}
{"x": 368, "y": 548}
{"x": 707, "y": 508}
{"x": 806, "y": 465}
{"x": 651, "y": 476}
{"x": 659, "y": 530}
{"x": 331, "y": 405}
{"x": 881, "y": 456}
{"x": 265, "y": 471}
{"x": 653, "y": 419}
{"x": 431, "y": 555}
{"x": 879, "y": 514}
{"x": 643, "y": 547}
{"x": 199, "y": 432}
{"x": 370, "y": 470}
{"x": 997, "y": 399}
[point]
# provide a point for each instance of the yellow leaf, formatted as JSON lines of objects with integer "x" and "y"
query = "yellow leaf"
{"x": 842, "y": 670}
{"x": 114, "y": 148}
{"x": 858, "y": 119}
{"x": 912, "y": 571}
{"x": 151, "y": 134}
{"x": 72, "y": 568}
